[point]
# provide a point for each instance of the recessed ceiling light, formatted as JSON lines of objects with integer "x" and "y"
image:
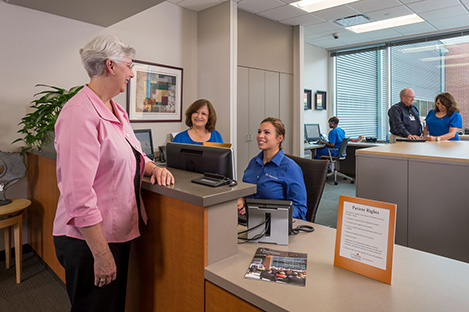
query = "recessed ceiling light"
{"x": 353, "y": 20}
{"x": 387, "y": 23}
{"x": 318, "y": 5}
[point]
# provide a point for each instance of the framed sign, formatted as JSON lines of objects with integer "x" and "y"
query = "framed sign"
{"x": 155, "y": 93}
{"x": 365, "y": 237}
{"x": 307, "y": 99}
{"x": 321, "y": 98}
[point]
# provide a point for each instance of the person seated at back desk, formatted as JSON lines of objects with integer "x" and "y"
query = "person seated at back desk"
{"x": 335, "y": 137}
{"x": 201, "y": 119}
{"x": 404, "y": 118}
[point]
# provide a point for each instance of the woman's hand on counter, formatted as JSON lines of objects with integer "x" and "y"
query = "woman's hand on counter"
{"x": 161, "y": 176}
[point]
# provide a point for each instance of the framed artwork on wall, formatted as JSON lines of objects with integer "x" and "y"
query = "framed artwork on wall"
{"x": 321, "y": 98}
{"x": 307, "y": 99}
{"x": 155, "y": 93}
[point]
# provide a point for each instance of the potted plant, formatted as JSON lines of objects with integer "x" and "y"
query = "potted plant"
{"x": 38, "y": 126}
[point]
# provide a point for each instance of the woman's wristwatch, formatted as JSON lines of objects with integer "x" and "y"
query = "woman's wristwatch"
{"x": 438, "y": 138}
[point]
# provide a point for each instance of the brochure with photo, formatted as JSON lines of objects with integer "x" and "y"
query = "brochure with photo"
{"x": 278, "y": 266}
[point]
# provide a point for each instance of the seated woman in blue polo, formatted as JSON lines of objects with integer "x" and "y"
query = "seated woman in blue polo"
{"x": 335, "y": 137}
{"x": 276, "y": 176}
{"x": 201, "y": 120}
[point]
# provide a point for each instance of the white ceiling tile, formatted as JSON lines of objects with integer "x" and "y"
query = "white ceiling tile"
{"x": 451, "y": 22}
{"x": 336, "y": 12}
{"x": 444, "y": 13}
{"x": 322, "y": 27}
{"x": 410, "y": 1}
{"x": 415, "y": 29}
{"x": 256, "y": 6}
{"x": 430, "y": 5}
{"x": 365, "y": 6}
{"x": 307, "y": 19}
{"x": 198, "y": 5}
{"x": 465, "y": 1}
{"x": 389, "y": 13}
{"x": 283, "y": 13}
{"x": 382, "y": 34}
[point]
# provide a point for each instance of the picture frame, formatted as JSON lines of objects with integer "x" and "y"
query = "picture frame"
{"x": 320, "y": 100}
{"x": 155, "y": 93}
{"x": 307, "y": 99}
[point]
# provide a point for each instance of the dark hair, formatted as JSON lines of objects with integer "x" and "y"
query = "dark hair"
{"x": 448, "y": 101}
{"x": 278, "y": 125}
{"x": 334, "y": 120}
{"x": 212, "y": 116}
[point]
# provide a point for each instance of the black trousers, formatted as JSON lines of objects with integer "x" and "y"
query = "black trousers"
{"x": 77, "y": 259}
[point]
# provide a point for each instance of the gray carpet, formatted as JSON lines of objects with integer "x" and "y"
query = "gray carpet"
{"x": 40, "y": 290}
{"x": 328, "y": 206}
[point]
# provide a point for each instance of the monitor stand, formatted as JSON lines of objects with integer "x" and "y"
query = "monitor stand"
{"x": 278, "y": 227}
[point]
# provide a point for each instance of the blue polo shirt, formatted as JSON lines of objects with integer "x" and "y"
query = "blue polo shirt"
{"x": 439, "y": 126}
{"x": 279, "y": 179}
{"x": 184, "y": 137}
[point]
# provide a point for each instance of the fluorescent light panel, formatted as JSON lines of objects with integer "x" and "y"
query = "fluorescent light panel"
{"x": 318, "y": 5}
{"x": 388, "y": 23}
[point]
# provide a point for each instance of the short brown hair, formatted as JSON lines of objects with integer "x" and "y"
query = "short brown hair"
{"x": 212, "y": 115}
{"x": 334, "y": 120}
{"x": 448, "y": 101}
{"x": 278, "y": 125}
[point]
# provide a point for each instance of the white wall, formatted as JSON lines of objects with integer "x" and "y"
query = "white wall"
{"x": 38, "y": 47}
{"x": 316, "y": 78}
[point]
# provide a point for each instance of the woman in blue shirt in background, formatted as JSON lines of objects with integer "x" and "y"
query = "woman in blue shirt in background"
{"x": 276, "y": 176}
{"x": 444, "y": 120}
{"x": 201, "y": 120}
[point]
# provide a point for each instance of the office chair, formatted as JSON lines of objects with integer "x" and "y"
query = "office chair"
{"x": 335, "y": 161}
{"x": 314, "y": 175}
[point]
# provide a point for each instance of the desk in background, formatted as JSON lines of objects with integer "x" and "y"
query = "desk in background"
{"x": 429, "y": 183}
{"x": 421, "y": 282}
{"x": 312, "y": 148}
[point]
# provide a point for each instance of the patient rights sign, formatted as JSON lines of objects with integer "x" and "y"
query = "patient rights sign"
{"x": 365, "y": 237}
{"x": 365, "y": 234}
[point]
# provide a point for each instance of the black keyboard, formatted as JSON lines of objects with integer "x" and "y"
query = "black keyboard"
{"x": 410, "y": 140}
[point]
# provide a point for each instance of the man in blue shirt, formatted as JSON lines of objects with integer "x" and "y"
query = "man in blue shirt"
{"x": 336, "y": 135}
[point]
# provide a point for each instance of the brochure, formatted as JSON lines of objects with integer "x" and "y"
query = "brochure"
{"x": 278, "y": 266}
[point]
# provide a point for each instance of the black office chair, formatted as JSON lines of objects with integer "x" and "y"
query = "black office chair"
{"x": 314, "y": 175}
{"x": 335, "y": 162}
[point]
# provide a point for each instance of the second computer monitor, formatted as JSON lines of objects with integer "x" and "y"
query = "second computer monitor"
{"x": 312, "y": 132}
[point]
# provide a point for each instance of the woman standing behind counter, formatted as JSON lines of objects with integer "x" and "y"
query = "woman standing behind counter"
{"x": 201, "y": 120}
{"x": 100, "y": 165}
{"x": 276, "y": 176}
{"x": 443, "y": 121}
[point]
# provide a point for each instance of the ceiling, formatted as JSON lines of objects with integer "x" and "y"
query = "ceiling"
{"x": 440, "y": 16}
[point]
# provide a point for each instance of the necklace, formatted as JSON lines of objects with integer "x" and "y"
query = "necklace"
{"x": 200, "y": 136}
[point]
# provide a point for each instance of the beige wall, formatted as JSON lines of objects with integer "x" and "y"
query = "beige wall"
{"x": 264, "y": 44}
{"x": 316, "y": 78}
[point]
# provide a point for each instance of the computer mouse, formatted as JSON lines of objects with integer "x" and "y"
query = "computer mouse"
{"x": 232, "y": 183}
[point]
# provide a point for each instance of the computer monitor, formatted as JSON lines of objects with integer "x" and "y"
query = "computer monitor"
{"x": 146, "y": 141}
{"x": 201, "y": 158}
{"x": 312, "y": 132}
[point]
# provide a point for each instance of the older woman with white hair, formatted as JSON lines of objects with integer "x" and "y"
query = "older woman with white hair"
{"x": 100, "y": 165}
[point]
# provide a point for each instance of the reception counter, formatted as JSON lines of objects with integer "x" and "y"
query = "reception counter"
{"x": 421, "y": 282}
{"x": 190, "y": 226}
{"x": 428, "y": 182}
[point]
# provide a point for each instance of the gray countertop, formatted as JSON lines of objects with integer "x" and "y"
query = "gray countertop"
{"x": 199, "y": 194}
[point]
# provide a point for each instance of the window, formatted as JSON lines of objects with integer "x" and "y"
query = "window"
{"x": 429, "y": 68}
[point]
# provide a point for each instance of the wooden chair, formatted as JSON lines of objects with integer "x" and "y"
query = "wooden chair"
{"x": 314, "y": 175}
{"x": 11, "y": 215}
